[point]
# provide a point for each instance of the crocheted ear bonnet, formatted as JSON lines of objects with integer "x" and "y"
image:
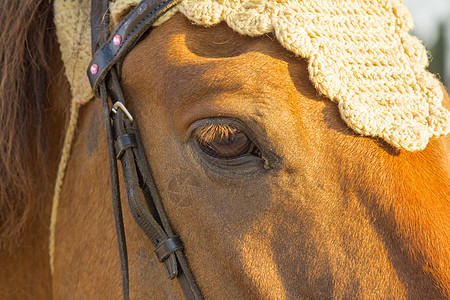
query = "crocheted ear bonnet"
{"x": 359, "y": 53}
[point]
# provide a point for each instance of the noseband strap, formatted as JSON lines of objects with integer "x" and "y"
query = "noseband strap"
{"x": 124, "y": 143}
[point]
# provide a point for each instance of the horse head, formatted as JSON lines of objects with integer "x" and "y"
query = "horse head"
{"x": 272, "y": 192}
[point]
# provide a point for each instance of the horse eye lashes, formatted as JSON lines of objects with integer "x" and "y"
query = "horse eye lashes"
{"x": 225, "y": 141}
{"x": 209, "y": 132}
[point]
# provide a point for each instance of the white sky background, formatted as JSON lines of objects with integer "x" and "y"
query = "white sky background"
{"x": 427, "y": 14}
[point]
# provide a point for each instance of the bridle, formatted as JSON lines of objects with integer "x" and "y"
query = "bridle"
{"x": 124, "y": 141}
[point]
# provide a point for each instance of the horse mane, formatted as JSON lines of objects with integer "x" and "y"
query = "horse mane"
{"x": 27, "y": 37}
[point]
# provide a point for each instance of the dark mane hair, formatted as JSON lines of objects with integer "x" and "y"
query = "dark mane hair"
{"x": 27, "y": 37}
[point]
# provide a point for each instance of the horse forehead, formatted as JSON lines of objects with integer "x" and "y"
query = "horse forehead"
{"x": 176, "y": 54}
{"x": 177, "y": 41}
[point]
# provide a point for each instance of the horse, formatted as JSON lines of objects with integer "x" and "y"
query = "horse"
{"x": 313, "y": 210}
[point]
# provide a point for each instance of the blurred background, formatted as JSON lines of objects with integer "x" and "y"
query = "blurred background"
{"x": 432, "y": 26}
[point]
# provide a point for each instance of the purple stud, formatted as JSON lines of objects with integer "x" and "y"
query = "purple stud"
{"x": 94, "y": 69}
{"x": 117, "y": 40}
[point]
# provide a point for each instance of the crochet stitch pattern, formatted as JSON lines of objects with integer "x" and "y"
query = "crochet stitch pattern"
{"x": 73, "y": 31}
{"x": 360, "y": 55}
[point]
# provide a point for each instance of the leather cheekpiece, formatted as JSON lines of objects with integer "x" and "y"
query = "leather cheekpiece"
{"x": 167, "y": 247}
{"x": 124, "y": 142}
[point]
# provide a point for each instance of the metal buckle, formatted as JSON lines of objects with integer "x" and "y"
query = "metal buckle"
{"x": 120, "y": 105}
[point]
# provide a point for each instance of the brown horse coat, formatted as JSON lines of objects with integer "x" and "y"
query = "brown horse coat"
{"x": 324, "y": 214}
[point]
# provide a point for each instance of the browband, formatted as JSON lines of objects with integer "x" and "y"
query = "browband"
{"x": 124, "y": 38}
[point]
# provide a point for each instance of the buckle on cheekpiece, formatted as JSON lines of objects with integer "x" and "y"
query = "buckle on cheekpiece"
{"x": 120, "y": 105}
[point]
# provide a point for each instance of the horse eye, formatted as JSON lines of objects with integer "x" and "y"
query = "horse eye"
{"x": 226, "y": 142}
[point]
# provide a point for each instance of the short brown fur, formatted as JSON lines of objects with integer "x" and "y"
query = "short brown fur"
{"x": 334, "y": 214}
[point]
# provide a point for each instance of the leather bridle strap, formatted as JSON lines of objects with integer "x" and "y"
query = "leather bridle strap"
{"x": 124, "y": 37}
{"x": 99, "y": 21}
{"x": 124, "y": 143}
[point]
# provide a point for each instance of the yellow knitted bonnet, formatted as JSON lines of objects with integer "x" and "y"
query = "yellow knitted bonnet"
{"x": 359, "y": 53}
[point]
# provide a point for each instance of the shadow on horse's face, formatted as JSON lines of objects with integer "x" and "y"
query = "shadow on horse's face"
{"x": 273, "y": 196}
